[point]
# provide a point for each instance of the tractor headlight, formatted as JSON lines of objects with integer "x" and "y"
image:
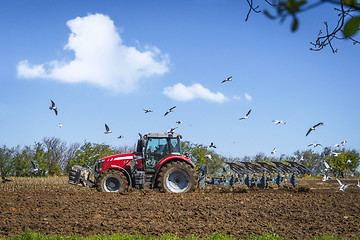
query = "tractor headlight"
{"x": 98, "y": 166}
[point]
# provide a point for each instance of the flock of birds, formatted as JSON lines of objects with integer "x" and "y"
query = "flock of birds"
{"x": 342, "y": 185}
{"x": 172, "y": 130}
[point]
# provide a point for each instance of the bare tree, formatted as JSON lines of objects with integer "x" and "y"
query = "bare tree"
{"x": 347, "y": 13}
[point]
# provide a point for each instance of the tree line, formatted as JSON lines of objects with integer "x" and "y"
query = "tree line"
{"x": 54, "y": 157}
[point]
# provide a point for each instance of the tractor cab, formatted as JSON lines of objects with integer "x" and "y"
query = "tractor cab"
{"x": 158, "y": 146}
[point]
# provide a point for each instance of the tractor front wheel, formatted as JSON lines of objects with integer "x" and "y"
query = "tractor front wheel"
{"x": 112, "y": 181}
{"x": 177, "y": 177}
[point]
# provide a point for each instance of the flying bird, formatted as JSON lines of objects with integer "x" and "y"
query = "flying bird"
{"x": 121, "y": 136}
{"x": 278, "y": 122}
{"x": 52, "y": 107}
{"x": 171, "y": 130}
{"x": 227, "y": 80}
{"x": 246, "y": 116}
{"x": 179, "y": 122}
{"x": 342, "y": 186}
{"x": 60, "y": 125}
{"x": 336, "y": 145}
{"x": 335, "y": 153}
{"x": 314, "y": 144}
{"x": 358, "y": 183}
{"x": 325, "y": 178}
{"x": 327, "y": 166}
{"x": 35, "y": 169}
{"x": 343, "y": 142}
{"x": 348, "y": 161}
{"x": 169, "y": 110}
{"x": 212, "y": 145}
{"x": 147, "y": 110}
{"x": 273, "y": 151}
{"x": 208, "y": 156}
{"x": 313, "y": 127}
{"x": 107, "y": 129}
{"x": 4, "y": 180}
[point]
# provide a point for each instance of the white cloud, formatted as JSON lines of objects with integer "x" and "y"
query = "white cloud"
{"x": 183, "y": 93}
{"x": 248, "y": 97}
{"x": 235, "y": 97}
{"x": 101, "y": 58}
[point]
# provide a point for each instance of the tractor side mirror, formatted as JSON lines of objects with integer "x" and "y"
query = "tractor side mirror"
{"x": 140, "y": 146}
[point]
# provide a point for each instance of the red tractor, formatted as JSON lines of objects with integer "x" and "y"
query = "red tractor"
{"x": 157, "y": 163}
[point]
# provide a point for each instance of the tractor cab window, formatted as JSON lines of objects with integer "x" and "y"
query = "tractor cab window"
{"x": 156, "y": 150}
{"x": 175, "y": 146}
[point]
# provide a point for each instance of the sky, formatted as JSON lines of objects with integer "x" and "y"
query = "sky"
{"x": 103, "y": 62}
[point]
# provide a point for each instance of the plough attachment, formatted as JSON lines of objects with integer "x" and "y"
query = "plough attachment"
{"x": 259, "y": 174}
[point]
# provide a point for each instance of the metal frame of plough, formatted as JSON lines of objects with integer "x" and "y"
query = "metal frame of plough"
{"x": 259, "y": 174}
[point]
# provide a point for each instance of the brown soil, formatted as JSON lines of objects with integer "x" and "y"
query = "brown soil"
{"x": 51, "y": 206}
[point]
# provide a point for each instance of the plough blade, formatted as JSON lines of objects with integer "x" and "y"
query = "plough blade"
{"x": 256, "y": 173}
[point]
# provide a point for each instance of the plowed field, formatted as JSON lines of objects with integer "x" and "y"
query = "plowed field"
{"x": 51, "y": 206}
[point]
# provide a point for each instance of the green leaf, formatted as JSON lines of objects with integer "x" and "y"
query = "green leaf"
{"x": 295, "y": 24}
{"x": 351, "y": 3}
{"x": 351, "y": 27}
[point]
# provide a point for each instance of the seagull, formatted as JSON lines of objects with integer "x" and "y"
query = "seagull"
{"x": 278, "y": 122}
{"x": 343, "y": 142}
{"x": 342, "y": 185}
{"x": 327, "y": 166}
{"x": 169, "y": 110}
{"x": 314, "y": 144}
{"x": 313, "y": 127}
{"x": 325, "y": 178}
{"x": 358, "y": 185}
{"x": 147, "y": 110}
{"x": 4, "y": 180}
{"x": 273, "y": 151}
{"x": 35, "y": 169}
{"x": 212, "y": 145}
{"x": 121, "y": 136}
{"x": 227, "y": 80}
{"x": 60, "y": 125}
{"x": 336, "y": 145}
{"x": 348, "y": 161}
{"x": 246, "y": 116}
{"x": 107, "y": 129}
{"x": 208, "y": 156}
{"x": 172, "y": 130}
{"x": 335, "y": 153}
{"x": 52, "y": 107}
{"x": 179, "y": 122}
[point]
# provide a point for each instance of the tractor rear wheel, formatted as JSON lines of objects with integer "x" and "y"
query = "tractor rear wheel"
{"x": 177, "y": 177}
{"x": 112, "y": 181}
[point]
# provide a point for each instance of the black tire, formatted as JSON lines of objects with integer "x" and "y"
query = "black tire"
{"x": 112, "y": 181}
{"x": 177, "y": 177}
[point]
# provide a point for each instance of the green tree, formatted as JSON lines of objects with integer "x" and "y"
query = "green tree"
{"x": 5, "y": 160}
{"x": 310, "y": 159}
{"x": 40, "y": 158}
{"x": 89, "y": 153}
{"x": 202, "y": 155}
{"x": 55, "y": 150}
{"x": 344, "y": 164}
{"x": 21, "y": 160}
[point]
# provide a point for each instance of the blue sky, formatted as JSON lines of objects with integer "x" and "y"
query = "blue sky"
{"x": 105, "y": 61}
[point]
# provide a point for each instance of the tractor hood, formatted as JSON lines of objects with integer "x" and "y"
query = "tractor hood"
{"x": 121, "y": 160}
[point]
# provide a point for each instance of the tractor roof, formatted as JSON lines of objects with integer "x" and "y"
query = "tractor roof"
{"x": 162, "y": 135}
